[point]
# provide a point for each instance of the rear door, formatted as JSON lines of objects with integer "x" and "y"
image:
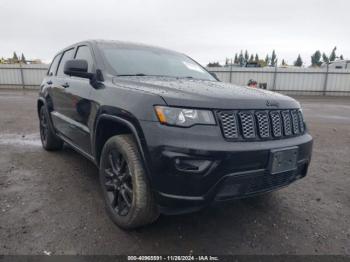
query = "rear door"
{"x": 61, "y": 99}
{"x": 51, "y": 77}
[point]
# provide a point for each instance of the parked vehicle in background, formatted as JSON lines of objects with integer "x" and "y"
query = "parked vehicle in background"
{"x": 252, "y": 64}
{"x": 166, "y": 135}
{"x": 339, "y": 64}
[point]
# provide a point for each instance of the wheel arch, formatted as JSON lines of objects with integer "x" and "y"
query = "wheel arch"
{"x": 41, "y": 102}
{"x": 110, "y": 125}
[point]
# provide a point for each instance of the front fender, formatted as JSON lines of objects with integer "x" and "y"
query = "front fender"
{"x": 136, "y": 131}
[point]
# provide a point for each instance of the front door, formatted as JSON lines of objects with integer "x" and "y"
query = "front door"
{"x": 71, "y": 99}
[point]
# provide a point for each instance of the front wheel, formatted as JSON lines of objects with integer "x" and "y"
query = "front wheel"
{"x": 129, "y": 199}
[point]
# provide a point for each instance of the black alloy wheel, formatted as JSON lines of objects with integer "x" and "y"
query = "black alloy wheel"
{"x": 126, "y": 190}
{"x": 43, "y": 126}
{"x": 118, "y": 183}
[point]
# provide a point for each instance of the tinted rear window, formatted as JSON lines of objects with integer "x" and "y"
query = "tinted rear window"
{"x": 53, "y": 66}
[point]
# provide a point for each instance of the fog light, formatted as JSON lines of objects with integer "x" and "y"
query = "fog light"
{"x": 191, "y": 165}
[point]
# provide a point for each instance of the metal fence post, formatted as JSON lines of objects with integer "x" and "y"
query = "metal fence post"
{"x": 274, "y": 79}
{"x": 231, "y": 72}
{"x": 326, "y": 81}
{"x": 22, "y": 76}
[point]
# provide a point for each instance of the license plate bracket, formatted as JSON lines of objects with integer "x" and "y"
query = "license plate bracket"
{"x": 283, "y": 160}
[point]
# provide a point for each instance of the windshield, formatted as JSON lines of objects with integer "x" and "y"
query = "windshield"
{"x": 143, "y": 61}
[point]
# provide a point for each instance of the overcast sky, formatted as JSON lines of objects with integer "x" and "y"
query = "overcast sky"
{"x": 206, "y": 30}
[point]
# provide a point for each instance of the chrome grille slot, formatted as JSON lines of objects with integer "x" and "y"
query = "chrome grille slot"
{"x": 229, "y": 125}
{"x": 247, "y": 124}
{"x": 287, "y": 123}
{"x": 276, "y": 123}
{"x": 301, "y": 122}
{"x": 263, "y": 124}
{"x": 295, "y": 121}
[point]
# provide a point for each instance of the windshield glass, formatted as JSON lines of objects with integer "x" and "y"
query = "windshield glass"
{"x": 151, "y": 61}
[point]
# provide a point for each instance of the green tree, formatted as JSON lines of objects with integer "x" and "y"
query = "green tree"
{"x": 299, "y": 61}
{"x": 241, "y": 60}
{"x": 256, "y": 58}
{"x": 267, "y": 60}
{"x": 251, "y": 59}
{"x": 273, "y": 58}
{"x": 213, "y": 64}
{"x": 325, "y": 58}
{"x": 23, "y": 59}
{"x": 15, "y": 58}
{"x": 316, "y": 59}
{"x": 341, "y": 57}
{"x": 333, "y": 56}
{"x": 284, "y": 62}
{"x": 246, "y": 56}
{"x": 236, "y": 61}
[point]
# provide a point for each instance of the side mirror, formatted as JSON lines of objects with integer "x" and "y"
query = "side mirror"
{"x": 214, "y": 75}
{"x": 77, "y": 67}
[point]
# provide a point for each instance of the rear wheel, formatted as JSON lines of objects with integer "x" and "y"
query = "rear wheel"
{"x": 129, "y": 199}
{"x": 49, "y": 139}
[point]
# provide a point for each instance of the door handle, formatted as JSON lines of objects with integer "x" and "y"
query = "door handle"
{"x": 65, "y": 85}
{"x": 49, "y": 82}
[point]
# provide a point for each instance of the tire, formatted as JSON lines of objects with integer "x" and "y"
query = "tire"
{"x": 128, "y": 196}
{"x": 48, "y": 138}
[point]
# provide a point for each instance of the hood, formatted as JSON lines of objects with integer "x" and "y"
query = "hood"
{"x": 207, "y": 94}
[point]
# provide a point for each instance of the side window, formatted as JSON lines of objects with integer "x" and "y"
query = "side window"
{"x": 66, "y": 56}
{"x": 84, "y": 53}
{"x": 53, "y": 66}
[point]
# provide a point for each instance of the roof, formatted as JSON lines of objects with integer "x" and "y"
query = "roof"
{"x": 117, "y": 43}
{"x": 127, "y": 44}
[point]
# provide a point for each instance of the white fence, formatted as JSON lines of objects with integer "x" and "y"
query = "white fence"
{"x": 306, "y": 81}
{"x": 285, "y": 80}
{"x": 22, "y": 76}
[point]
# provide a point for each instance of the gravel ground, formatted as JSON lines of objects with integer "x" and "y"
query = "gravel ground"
{"x": 50, "y": 202}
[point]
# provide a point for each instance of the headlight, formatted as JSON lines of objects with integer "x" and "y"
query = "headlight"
{"x": 184, "y": 117}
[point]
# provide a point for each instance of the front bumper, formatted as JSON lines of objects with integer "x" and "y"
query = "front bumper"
{"x": 192, "y": 167}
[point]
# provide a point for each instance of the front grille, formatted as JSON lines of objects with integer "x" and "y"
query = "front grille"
{"x": 260, "y": 124}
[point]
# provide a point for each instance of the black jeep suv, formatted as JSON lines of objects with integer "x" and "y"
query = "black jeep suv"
{"x": 167, "y": 136}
